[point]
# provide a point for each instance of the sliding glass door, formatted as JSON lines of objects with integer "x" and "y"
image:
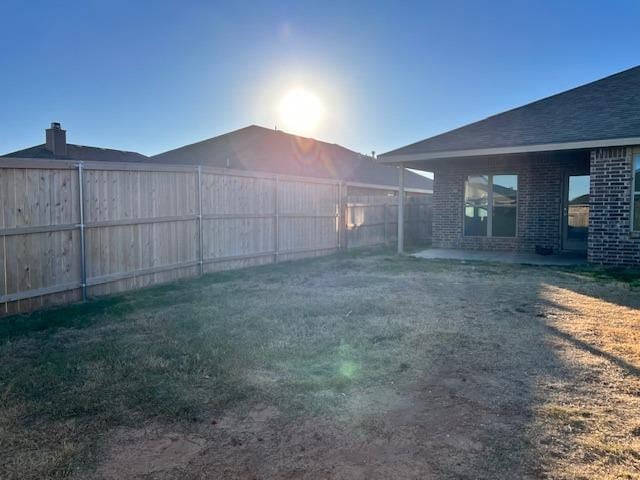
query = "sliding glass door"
{"x": 576, "y": 213}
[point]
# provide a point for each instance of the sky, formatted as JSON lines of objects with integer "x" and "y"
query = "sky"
{"x": 152, "y": 76}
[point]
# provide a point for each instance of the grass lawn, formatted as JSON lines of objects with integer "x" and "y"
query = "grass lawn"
{"x": 356, "y": 366}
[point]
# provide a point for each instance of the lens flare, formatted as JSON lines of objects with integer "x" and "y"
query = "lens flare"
{"x": 348, "y": 369}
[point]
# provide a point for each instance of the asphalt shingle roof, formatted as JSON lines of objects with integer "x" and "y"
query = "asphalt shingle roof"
{"x": 267, "y": 150}
{"x": 608, "y": 108}
{"x": 258, "y": 149}
{"x": 81, "y": 152}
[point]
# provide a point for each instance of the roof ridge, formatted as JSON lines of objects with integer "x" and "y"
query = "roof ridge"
{"x": 315, "y": 140}
{"x": 265, "y": 130}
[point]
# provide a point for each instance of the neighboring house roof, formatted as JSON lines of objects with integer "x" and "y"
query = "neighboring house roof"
{"x": 581, "y": 200}
{"x": 607, "y": 109}
{"x": 80, "y": 152}
{"x": 266, "y": 150}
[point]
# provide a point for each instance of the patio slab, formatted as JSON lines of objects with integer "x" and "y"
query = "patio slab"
{"x": 502, "y": 257}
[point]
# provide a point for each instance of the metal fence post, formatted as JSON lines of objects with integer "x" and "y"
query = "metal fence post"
{"x": 83, "y": 259}
{"x": 276, "y": 220}
{"x": 401, "y": 209}
{"x": 386, "y": 221}
{"x": 200, "y": 242}
{"x": 343, "y": 209}
{"x": 339, "y": 215}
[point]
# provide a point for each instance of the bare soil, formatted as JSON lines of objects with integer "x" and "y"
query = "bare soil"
{"x": 363, "y": 366}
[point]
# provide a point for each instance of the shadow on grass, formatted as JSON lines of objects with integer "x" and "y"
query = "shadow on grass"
{"x": 116, "y": 307}
{"x": 593, "y": 276}
{"x": 630, "y": 276}
{"x": 69, "y": 316}
{"x": 629, "y": 368}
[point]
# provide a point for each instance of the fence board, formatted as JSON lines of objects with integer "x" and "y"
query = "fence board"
{"x": 307, "y": 218}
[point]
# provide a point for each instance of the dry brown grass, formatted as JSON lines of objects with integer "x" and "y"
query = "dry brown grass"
{"x": 589, "y": 426}
{"x": 362, "y": 366}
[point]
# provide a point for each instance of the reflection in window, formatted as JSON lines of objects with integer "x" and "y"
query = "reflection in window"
{"x": 578, "y": 207}
{"x": 476, "y": 205}
{"x": 505, "y": 199}
{"x": 490, "y": 205}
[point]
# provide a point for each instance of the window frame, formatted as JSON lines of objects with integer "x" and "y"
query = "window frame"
{"x": 635, "y": 158}
{"x": 490, "y": 204}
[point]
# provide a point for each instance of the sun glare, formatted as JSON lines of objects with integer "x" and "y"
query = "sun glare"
{"x": 300, "y": 111}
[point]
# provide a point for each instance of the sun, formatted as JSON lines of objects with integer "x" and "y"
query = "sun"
{"x": 300, "y": 111}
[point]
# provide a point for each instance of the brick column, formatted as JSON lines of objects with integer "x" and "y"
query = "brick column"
{"x": 448, "y": 197}
{"x": 611, "y": 239}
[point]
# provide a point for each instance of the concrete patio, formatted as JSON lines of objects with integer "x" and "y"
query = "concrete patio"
{"x": 502, "y": 257}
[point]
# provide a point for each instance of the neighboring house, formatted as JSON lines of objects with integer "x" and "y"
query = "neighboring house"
{"x": 56, "y": 147}
{"x": 526, "y": 177}
{"x": 266, "y": 150}
{"x": 252, "y": 148}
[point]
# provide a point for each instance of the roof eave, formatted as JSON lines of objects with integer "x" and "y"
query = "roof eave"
{"x": 482, "y": 152}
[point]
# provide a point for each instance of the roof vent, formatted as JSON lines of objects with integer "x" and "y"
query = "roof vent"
{"x": 56, "y": 140}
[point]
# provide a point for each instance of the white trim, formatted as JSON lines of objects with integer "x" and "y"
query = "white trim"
{"x": 478, "y": 152}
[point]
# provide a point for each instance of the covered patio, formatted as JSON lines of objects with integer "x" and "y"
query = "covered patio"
{"x": 559, "y": 175}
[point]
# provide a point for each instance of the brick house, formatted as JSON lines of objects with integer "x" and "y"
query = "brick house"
{"x": 561, "y": 173}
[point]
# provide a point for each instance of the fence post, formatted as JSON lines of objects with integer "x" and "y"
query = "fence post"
{"x": 200, "y": 241}
{"x": 276, "y": 220}
{"x": 343, "y": 215}
{"x": 386, "y": 221}
{"x": 83, "y": 253}
{"x": 339, "y": 216}
{"x": 401, "y": 209}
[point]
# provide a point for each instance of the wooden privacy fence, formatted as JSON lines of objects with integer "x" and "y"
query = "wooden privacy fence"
{"x": 373, "y": 220}
{"x": 69, "y": 230}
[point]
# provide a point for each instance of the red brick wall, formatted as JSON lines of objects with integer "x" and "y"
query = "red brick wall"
{"x": 611, "y": 239}
{"x": 540, "y": 184}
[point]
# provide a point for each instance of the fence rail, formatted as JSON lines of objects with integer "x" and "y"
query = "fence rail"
{"x": 74, "y": 229}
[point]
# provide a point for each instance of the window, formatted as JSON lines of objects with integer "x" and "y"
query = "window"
{"x": 476, "y": 205}
{"x": 636, "y": 193}
{"x": 505, "y": 197}
{"x": 490, "y": 205}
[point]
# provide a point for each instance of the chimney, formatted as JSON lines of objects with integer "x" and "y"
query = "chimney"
{"x": 56, "y": 140}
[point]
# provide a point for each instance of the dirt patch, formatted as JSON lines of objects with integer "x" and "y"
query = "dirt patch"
{"x": 433, "y": 432}
{"x": 311, "y": 448}
{"x": 255, "y": 420}
{"x": 135, "y": 453}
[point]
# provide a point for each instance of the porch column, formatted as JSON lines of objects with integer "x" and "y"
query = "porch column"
{"x": 401, "y": 209}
